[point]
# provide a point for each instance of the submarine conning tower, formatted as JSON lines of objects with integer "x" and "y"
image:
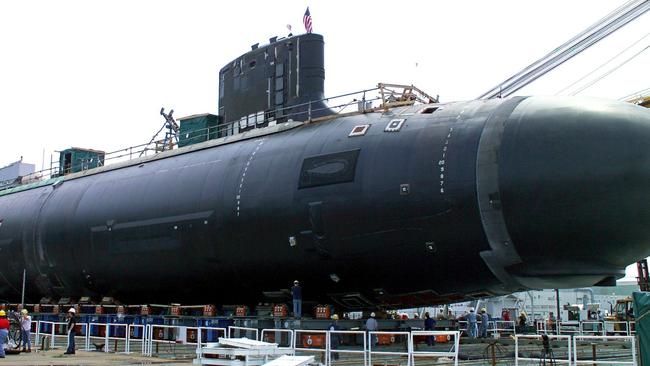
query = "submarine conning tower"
{"x": 277, "y": 82}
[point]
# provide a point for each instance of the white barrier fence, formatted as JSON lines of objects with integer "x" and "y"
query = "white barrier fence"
{"x": 334, "y": 339}
{"x": 605, "y": 328}
{"x": 57, "y": 330}
{"x": 241, "y": 332}
{"x": 451, "y": 353}
{"x": 595, "y": 360}
{"x": 391, "y": 338}
{"x": 503, "y": 327}
{"x": 276, "y": 336}
{"x": 137, "y": 334}
{"x": 592, "y": 328}
{"x": 312, "y": 341}
{"x": 329, "y": 345}
{"x": 547, "y": 355}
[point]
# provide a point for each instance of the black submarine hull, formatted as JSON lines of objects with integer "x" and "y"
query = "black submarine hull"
{"x": 468, "y": 200}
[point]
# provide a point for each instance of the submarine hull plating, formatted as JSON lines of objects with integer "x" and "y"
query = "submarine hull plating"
{"x": 474, "y": 199}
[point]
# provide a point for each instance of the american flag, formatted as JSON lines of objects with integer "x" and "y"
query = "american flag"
{"x": 306, "y": 19}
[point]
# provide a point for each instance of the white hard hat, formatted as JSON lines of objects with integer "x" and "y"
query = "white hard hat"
{"x": 372, "y": 314}
{"x": 72, "y": 310}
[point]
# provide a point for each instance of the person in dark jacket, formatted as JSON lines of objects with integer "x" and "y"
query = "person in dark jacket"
{"x": 429, "y": 324}
{"x": 334, "y": 338}
{"x": 72, "y": 323}
{"x": 296, "y": 293}
{"x": 485, "y": 319}
{"x": 471, "y": 323}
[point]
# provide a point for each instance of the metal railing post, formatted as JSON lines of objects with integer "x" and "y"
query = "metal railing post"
{"x": 38, "y": 333}
{"x": 107, "y": 332}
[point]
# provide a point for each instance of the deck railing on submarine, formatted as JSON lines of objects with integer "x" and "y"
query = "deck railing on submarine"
{"x": 380, "y": 98}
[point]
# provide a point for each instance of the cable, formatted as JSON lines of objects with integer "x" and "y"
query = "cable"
{"x": 553, "y": 54}
{"x": 609, "y": 72}
{"x": 603, "y": 65}
{"x": 636, "y": 94}
{"x": 592, "y": 35}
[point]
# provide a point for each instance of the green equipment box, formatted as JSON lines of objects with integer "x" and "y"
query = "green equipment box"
{"x": 76, "y": 159}
{"x": 198, "y": 128}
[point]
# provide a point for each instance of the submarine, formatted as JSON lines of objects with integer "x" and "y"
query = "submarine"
{"x": 400, "y": 206}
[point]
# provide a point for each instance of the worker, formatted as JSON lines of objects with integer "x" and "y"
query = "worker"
{"x": 485, "y": 319}
{"x": 335, "y": 339}
{"x": 505, "y": 315}
{"x": 441, "y": 315}
{"x": 4, "y": 332}
{"x": 522, "y": 319}
{"x": 296, "y": 293}
{"x": 372, "y": 326}
{"x": 430, "y": 325}
{"x": 601, "y": 317}
{"x": 25, "y": 330}
{"x": 72, "y": 323}
{"x": 551, "y": 321}
{"x": 471, "y": 323}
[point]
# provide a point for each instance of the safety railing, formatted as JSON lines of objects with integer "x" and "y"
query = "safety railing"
{"x": 545, "y": 351}
{"x": 453, "y": 337}
{"x": 136, "y": 334}
{"x": 283, "y": 337}
{"x": 610, "y": 359}
{"x": 312, "y": 342}
{"x": 344, "y": 342}
{"x": 211, "y": 334}
{"x": 568, "y": 328}
{"x": 503, "y": 327}
{"x": 391, "y": 345}
{"x": 592, "y": 327}
{"x": 236, "y": 332}
{"x": 158, "y": 334}
{"x": 57, "y": 330}
{"x": 384, "y": 346}
{"x": 96, "y": 331}
{"x": 464, "y": 327}
{"x": 117, "y": 333}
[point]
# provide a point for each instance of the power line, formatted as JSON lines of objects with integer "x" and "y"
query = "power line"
{"x": 587, "y": 38}
{"x": 638, "y": 93}
{"x": 609, "y": 72}
{"x": 604, "y": 64}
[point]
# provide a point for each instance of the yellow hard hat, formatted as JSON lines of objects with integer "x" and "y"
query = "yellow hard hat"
{"x": 335, "y": 317}
{"x": 24, "y": 311}
{"x": 2, "y": 313}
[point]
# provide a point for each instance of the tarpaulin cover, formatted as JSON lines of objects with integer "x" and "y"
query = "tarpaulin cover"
{"x": 641, "y": 311}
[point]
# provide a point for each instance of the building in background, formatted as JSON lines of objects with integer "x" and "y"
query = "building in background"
{"x": 14, "y": 172}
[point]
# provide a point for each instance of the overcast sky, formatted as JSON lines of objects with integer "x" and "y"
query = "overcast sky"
{"x": 95, "y": 74}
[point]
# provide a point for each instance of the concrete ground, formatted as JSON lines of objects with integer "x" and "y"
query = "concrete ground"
{"x": 83, "y": 358}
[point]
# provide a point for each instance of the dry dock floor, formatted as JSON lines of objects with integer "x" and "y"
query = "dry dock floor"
{"x": 82, "y": 358}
